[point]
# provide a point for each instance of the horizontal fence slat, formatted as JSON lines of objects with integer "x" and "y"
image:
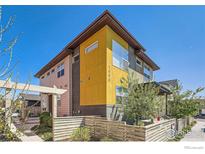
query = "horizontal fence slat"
{"x": 63, "y": 128}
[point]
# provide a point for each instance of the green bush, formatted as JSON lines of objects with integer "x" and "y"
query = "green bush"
{"x": 46, "y": 119}
{"x": 34, "y": 128}
{"x": 193, "y": 123}
{"x": 1, "y": 126}
{"x": 47, "y": 136}
{"x": 178, "y": 137}
{"x": 81, "y": 134}
{"x": 43, "y": 131}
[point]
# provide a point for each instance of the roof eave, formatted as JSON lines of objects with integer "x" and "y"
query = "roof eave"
{"x": 105, "y": 19}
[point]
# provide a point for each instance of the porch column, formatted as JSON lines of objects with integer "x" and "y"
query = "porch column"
{"x": 8, "y": 112}
{"x": 54, "y": 105}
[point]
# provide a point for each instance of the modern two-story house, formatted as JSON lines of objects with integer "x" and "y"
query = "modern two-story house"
{"x": 91, "y": 67}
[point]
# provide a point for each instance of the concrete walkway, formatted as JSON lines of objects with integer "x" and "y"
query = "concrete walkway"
{"x": 196, "y": 133}
{"x": 28, "y": 135}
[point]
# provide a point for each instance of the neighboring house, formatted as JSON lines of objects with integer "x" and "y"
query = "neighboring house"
{"x": 202, "y": 106}
{"x": 30, "y": 103}
{"x": 91, "y": 68}
{"x": 170, "y": 83}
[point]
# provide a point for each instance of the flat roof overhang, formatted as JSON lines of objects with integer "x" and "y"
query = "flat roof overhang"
{"x": 105, "y": 19}
{"x": 162, "y": 89}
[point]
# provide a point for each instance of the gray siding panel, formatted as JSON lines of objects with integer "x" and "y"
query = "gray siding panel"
{"x": 132, "y": 61}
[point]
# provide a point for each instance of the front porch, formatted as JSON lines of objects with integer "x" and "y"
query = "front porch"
{"x": 10, "y": 102}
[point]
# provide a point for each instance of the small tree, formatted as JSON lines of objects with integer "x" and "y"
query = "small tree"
{"x": 141, "y": 102}
{"x": 184, "y": 103}
{"x": 6, "y": 68}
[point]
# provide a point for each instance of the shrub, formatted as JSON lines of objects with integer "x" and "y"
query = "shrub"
{"x": 1, "y": 126}
{"x": 34, "y": 128}
{"x": 81, "y": 134}
{"x": 193, "y": 123}
{"x": 47, "y": 136}
{"x": 43, "y": 131}
{"x": 46, "y": 119}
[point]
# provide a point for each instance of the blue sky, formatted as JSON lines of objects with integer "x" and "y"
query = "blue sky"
{"x": 174, "y": 36}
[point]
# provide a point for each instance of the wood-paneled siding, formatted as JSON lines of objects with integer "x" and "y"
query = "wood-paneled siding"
{"x": 101, "y": 127}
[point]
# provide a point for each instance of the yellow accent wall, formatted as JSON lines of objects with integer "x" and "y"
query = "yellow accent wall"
{"x": 93, "y": 70}
{"x": 114, "y": 74}
{"x": 98, "y": 77}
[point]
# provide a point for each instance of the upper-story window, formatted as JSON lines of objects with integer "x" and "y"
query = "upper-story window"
{"x": 42, "y": 77}
{"x": 48, "y": 73}
{"x": 148, "y": 73}
{"x": 53, "y": 70}
{"x": 138, "y": 62}
{"x": 60, "y": 70}
{"x": 76, "y": 58}
{"x": 91, "y": 47}
{"x": 119, "y": 56}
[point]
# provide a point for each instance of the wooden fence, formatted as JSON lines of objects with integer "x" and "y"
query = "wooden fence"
{"x": 183, "y": 122}
{"x": 101, "y": 127}
{"x": 64, "y": 126}
{"x": 161, "y": 131}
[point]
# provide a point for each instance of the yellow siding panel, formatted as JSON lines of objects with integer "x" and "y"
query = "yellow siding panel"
{"x": 93, "y": 70}
{"x": 114, "y": 74}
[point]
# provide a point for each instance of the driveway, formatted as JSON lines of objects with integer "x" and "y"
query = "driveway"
{"x": 196, "y": 133}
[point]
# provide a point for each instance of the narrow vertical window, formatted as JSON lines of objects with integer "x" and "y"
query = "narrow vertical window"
{"x": 60, "y": 70}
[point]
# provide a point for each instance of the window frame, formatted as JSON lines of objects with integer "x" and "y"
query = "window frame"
{"x": 48, "y": 73}
{"x": 90, "y": 47}
{"x": 139, "y": 65}
{"x": 150, "y": 75}
{"x": 42, "y": 77}
{"x": 77, "y": 55}
{"x": 119, "y": 56}
{"x": 53, "y": 70}
{"x": 60, "y": 70}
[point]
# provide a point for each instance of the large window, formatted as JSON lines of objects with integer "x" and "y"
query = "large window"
{"x": 147, "y": 73}
{"x": 119, "y": 56}
{"x": 120, "y": 93}
{"x": 60, "y": 70}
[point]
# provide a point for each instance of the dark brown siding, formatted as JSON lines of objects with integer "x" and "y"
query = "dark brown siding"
{"x": 76, "y": 85}
{"x": 93, "y": 110}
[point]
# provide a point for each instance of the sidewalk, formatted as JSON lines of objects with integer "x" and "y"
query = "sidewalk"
{"x": 196, "y": 133}
{"x": 28, "y": 135}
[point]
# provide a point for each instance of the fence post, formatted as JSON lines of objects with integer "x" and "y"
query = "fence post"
{"x": 94, "y": 126}
{"x": 125, "y": 132}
